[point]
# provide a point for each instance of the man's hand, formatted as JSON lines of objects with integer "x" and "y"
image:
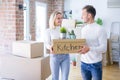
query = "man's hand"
{"x": 84, "y": 49}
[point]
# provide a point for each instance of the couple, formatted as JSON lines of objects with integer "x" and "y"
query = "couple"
{"x": 91, "y": 53}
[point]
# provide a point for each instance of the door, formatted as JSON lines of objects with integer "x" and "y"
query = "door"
{"x": 41, "y": 14}
{"x": 41, "y": 21}
{"x": 27, "y": 35}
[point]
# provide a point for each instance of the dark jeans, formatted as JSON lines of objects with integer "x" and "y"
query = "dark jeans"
{"x": 91, "y": 71}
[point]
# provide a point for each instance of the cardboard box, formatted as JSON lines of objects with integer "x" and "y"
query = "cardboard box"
{"x": 19, "y": 68}
{"x": 30, "y": 49}
{"x": 66, "y": 46}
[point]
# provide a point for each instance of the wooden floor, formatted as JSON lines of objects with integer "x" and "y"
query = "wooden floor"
{"x": 109, "y": 73}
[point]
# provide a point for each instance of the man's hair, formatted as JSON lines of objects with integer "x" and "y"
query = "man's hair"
{"x": 90, "y": 9}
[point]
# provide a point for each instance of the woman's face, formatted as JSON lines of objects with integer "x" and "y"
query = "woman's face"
{"x": 58, "y": 20}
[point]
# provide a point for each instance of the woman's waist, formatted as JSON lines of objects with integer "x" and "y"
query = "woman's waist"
{"x": 57, "y": 55}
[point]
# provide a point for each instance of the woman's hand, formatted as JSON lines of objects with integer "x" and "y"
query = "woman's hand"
{"x": 84, "y": 49}
{"x": 51, "y": 49}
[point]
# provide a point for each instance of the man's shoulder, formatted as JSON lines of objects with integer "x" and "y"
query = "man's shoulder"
{"x": 98, "y": 26}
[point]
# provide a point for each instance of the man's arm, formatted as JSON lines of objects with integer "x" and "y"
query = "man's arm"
{"x": 102, "y": 38}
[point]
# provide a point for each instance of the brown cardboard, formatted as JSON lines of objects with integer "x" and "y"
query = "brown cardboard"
{"x": 45, "y": 68}
{"x": 19, "y": 68}
{"x": 30, "y": 49}
{"x": 67, "y": 46}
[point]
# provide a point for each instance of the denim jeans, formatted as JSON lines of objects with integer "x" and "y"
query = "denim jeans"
{"x": 91, "y": 71}
{"x": 57, "y": 62}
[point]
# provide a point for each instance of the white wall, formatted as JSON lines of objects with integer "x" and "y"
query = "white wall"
{"x": 108, "y": 15}
{"x": 67, "y": 5}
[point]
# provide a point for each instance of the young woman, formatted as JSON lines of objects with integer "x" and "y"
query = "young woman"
{"x": 57, "y": 61}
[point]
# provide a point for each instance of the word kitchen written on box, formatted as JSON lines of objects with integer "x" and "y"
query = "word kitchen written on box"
{"x": 66, "y": 46}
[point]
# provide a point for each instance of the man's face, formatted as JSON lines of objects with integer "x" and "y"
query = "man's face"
{"x": 85, "y": 16}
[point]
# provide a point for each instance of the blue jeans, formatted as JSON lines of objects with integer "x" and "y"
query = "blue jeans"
{"x": 58, "y": 61}
{"x": 91, "y": 71}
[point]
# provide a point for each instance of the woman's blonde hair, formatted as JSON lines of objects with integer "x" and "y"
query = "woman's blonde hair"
{"x": 52, "y": 19}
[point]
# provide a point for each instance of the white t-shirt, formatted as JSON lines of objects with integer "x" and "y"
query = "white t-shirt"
{"x": 50, "y": 35}
{"x": 96, "y": 39}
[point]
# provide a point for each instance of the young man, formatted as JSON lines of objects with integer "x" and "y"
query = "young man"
{"x": 96, "y": 45}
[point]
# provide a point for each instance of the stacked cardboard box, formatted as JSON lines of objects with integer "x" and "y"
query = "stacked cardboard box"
{"x": 26, "y": 62}
{"x": 19, "y": 68}
{"x": 30, "y": 49}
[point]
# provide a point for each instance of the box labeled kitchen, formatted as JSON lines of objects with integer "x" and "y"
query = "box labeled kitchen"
{"x": 30, "y": 49}
{"x": 66, "y": 46}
